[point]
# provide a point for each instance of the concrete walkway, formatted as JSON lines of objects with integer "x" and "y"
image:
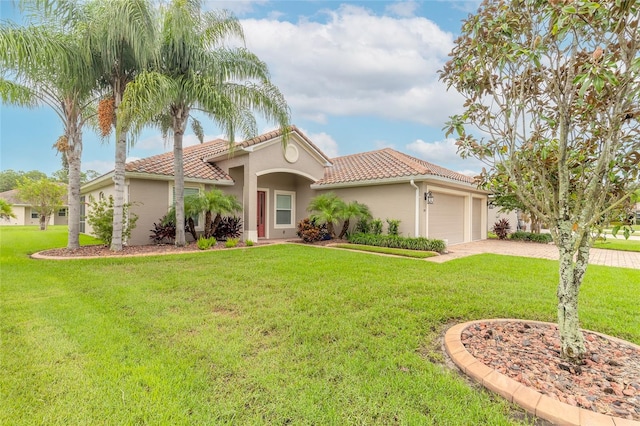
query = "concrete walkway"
{"x": 622, "y": 259}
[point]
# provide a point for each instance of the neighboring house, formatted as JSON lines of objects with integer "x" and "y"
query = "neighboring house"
{"x": 26, "y": 214}
{"x": 275, "y": 185}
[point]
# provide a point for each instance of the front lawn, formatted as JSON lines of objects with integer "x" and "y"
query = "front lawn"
{"x": 618, "y": 244}
{"x": 266, "y": 335}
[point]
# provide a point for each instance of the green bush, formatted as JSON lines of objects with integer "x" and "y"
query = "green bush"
{"x": 376, "y": 227}
{"x": 249, "y": 243}
{"x": 394, "y": 241}
{"x": 363, "y": 226}
{"x": 530, "y": 236}
{"x": 393, "y": 225}
{"x": 231, "y": 242}
{"x": 206, "y": 243}
{"x": 100, "y": 218}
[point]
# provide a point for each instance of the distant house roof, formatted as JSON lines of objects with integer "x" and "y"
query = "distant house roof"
{"x": 195, "y": 164}
{"x": 11, "y": 197}
{"x": 384, "y": 164}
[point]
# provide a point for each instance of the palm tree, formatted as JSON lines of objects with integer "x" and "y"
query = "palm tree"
{"x": 198, "y": 73}
{"x": 327, "y": 208}
{"x": 122, "y": 37}
{"x": 49, "y": 64}
{"x": 218, "y": 203}
{"x": 6, "y": 212}
{"x": 351, "y": 210}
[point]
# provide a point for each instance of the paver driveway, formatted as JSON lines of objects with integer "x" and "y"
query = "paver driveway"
{"x": 623, "y": 259}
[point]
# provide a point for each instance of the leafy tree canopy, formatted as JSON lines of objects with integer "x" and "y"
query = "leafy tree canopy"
{"x": 553, "y": 87}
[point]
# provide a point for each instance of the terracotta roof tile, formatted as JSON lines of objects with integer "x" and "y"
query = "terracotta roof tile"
{"x": 383, "y": 164}
{"x": 194, "y": 165}
{"x": 269, "y": 136}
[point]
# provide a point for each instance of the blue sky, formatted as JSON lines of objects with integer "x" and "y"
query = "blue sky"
{"x": 357, "y": 75}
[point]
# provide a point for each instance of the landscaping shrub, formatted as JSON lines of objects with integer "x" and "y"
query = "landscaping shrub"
{"x": 249, "y": 243}
{"x": 376, "y": 227}
{"x": 206, "y": 243}
{"x": 311, "y": 232}
{"x": 229, "y": 227}
{"x": 394, "y": 241}
{"x": 502, "y": 228}
{"x": 393, "y": 225}
{"x": 100, "y": 218}
{"x": 231, "y": 242}
{"x": 363, "y": 226}
{"x": 530, "y": 236}
{"x": 163, "y": 231}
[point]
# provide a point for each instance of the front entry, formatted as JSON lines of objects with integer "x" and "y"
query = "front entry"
{"x": 262, "y": 208}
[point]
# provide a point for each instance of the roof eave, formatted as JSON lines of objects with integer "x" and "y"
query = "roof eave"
{"x": 400, "y": 179}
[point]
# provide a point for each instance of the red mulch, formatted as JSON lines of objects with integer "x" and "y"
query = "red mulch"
{"x": 608, "y": 382}
{"x": 152, "y": 249}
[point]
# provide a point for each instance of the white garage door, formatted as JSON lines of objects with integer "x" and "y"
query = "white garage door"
{"x": 476, "y": 220}
{"x": 446, "y": 218}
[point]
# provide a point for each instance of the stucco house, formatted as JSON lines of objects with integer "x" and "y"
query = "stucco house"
{"x": 275, "y": 184}
{"x": 26, "y": 214}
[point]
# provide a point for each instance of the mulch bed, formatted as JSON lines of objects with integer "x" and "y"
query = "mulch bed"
{"x": 608, "y": 382}
{"x": 148, "y": 250}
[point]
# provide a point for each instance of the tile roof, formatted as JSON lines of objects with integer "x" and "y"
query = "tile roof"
{"x": 195, "y": 166}
{"x": 269, "y": 136}
{"x": 384, "y": 164}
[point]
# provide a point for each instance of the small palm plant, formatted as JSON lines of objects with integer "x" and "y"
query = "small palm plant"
{"x": 353, "y": 210}
{"x": 327, "y": 209}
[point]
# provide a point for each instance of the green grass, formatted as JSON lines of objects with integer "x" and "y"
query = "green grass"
{"x": 618, "y": 244}
{"x": 268, "y": 335}
{"x": 386, "y": 250}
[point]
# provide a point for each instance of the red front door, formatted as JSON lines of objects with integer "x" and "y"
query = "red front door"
{"x": 262, "y": 202}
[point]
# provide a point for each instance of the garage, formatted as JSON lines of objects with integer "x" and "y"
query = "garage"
{"x": 446, "y": 218}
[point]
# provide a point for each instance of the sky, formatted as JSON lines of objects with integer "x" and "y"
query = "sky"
{"x": 357, "y": 75}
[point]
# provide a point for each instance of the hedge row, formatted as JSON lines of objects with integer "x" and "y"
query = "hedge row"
{"x": 530, "y": 236}
{"x": 394, "y": 241}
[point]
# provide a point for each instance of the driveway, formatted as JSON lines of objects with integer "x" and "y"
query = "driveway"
{"x": 622, "y": 259}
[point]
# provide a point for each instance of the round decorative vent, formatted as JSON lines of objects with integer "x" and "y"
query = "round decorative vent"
{"x": 291, "y": 153}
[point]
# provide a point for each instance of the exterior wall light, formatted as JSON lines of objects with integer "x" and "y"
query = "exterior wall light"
{"x": 428, "y": 196}
{"x": 491, "y": 204}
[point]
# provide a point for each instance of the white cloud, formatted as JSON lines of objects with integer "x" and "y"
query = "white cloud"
{"x": 357, "y": 63}
{"x": 445, "y": 153}
{"x": 325, "y": 142}
{"x": 402, "y": 8}
{"x": 99, "y": 166}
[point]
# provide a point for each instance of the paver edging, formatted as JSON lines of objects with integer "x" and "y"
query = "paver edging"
{"x": 514, "y": 391}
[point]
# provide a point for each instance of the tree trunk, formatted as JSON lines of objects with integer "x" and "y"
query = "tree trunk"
{"x": 345, "y": 228}
{"x": 192, "y": 228}
{"x": 43, "y": 222}
{"x": 74, "y": 156}
{"x": 330, "y": 230}
{"x": 208, "y": 225}
{"x": 118, "y": 180}
{"x": 216, "y": 222}
{"x": 571, "y": 275}
{"x": 180, "y": 116}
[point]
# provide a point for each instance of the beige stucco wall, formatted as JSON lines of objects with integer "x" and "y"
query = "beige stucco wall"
{"x": 398, "y": 201}
{"x": 394, "y": 201}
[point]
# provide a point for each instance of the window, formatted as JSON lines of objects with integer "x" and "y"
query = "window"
{"x": 187, "y": 192}
{"x": 62, "y": 212}
{"x": 284, "y": 209}
{"x": 34, "y": 215}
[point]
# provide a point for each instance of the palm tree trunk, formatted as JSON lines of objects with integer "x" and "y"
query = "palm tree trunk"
{"x": 179, "y": 120}
{"x": 345, "y": 228}
{"x": 208, "y": 225}
{"x": 74, "y": 156}
{"x": 118, "y": 179}
{"x": 216, "y": 222}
